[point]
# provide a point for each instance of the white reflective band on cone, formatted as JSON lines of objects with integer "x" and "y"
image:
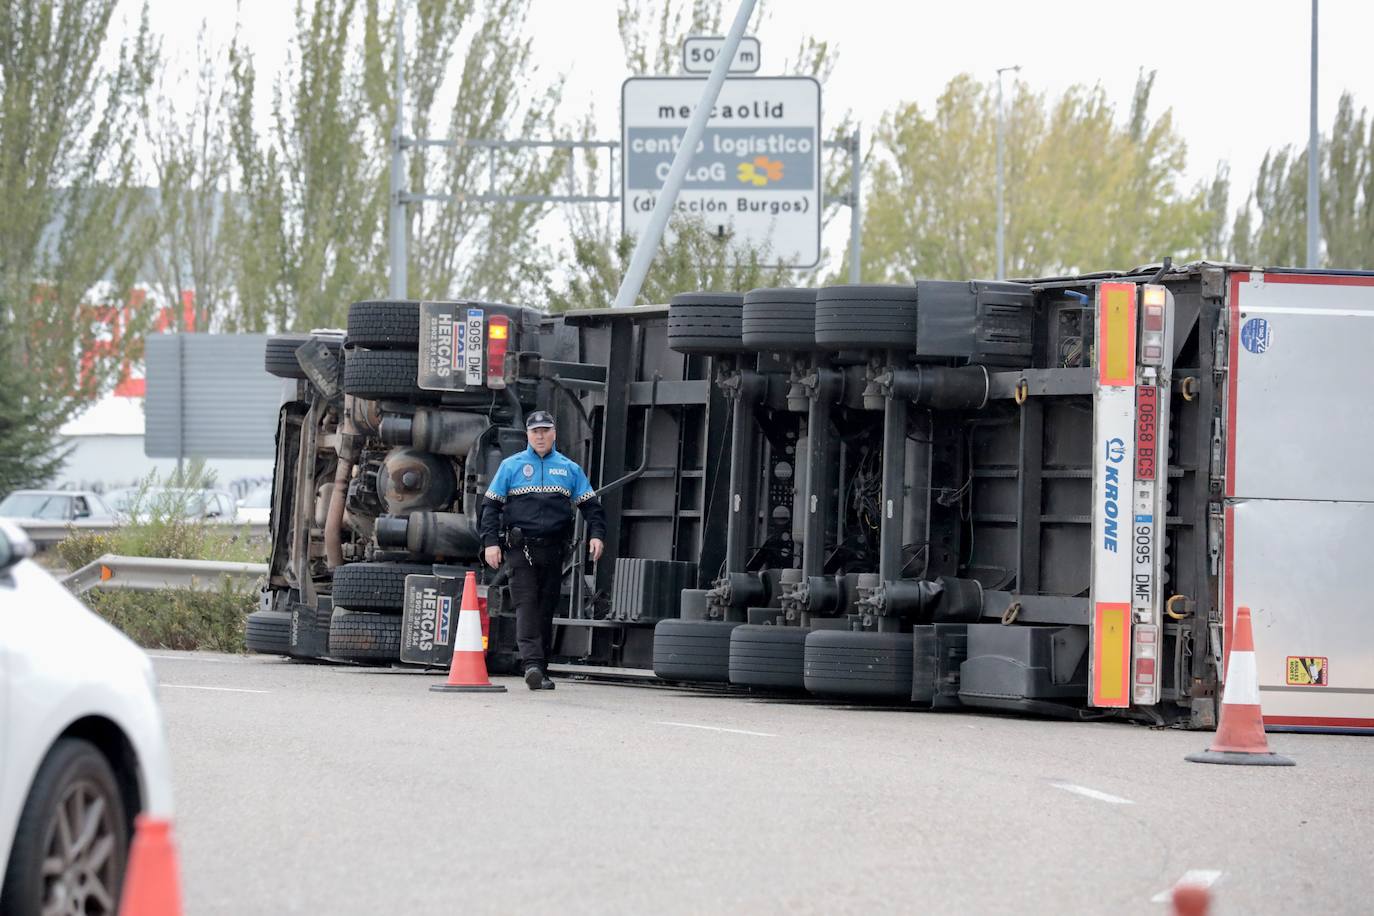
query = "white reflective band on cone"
{"x": 470, "y": 632}
{"x": 1242, "y": 680}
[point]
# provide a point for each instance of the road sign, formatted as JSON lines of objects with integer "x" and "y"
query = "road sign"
{"x": 699, "y": 54}
{"x": 756, "y": 172}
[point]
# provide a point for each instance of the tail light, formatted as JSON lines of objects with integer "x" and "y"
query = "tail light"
{"x": 498, "y": 339}
{"x": 1152, "y": 318}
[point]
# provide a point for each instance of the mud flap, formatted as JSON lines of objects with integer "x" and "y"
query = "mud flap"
{"x": 429, "y": 620}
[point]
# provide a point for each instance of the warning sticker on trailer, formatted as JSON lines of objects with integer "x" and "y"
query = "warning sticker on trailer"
{"x": 1307, "y": 671}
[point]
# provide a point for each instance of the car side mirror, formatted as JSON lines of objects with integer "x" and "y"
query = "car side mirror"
{"x": 81, "y": 513}
{"x": 14, "y": 545}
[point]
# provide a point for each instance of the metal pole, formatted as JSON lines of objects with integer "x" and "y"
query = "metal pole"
{"x": 1313, "y": 202}
{"x": 855, "y": 215}
{"x": 396, "y": 282}
{"x": 1001, "y": 209}
{"x": 663, "y": 207}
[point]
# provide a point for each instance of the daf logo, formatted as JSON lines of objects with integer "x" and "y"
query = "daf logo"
{"x": 1116, "y": 451}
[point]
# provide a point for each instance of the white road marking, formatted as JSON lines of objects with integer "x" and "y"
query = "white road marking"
{"x": 1092, "y": 793}
{"x": 191, "y": 658}
{"x": 716, "y": 728}
{"x": 1197, "y": 877}
{"x": 225, "y": 689}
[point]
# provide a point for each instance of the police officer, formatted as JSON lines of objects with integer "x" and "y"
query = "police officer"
{"x": 530, "y": 502}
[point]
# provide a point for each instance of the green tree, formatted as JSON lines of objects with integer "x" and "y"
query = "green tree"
{"x": 1271, "y": 228}
{"x": 1083, "y": 192}
{"x": 310, "y": 204}
{"x": 73, "y": 227}
{"x": 191, "y": 161}
{"x": 310, "y": 201}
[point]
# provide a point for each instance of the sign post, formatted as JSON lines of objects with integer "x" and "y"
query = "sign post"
{"x": 755, "y": 173}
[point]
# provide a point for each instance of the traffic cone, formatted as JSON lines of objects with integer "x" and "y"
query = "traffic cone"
{"x": 1240, "y": 733}
{"x": 468, "y": 672}
{"x": 1191, "y": 900}
{"x": 152, "y": 884}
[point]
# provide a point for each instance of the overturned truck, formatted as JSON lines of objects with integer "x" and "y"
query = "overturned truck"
{"x": 1018, "y": 496}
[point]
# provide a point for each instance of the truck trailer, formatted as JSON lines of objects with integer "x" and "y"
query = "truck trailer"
{"x": 1042, "y": 496}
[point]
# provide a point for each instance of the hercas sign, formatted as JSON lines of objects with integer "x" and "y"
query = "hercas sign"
{"x": 755, "y": 175}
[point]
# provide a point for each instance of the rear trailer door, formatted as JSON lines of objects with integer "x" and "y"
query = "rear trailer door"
{"x": 1300, "y": 492}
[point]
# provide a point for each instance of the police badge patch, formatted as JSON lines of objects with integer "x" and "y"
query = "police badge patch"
{"x": 529, "y": 471}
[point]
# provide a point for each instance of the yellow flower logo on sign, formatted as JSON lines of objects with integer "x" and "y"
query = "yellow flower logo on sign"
{"x": 759, "y": 171}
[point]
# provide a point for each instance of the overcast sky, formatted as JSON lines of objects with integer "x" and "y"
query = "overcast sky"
{"x": 1235, "y": 73}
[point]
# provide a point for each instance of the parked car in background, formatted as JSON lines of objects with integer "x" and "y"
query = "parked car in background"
{"x": 81, "y": 740}
{"x": 256, "y": 507}
{"x": 56, "y": 506}
{"x": 145, "y": 503}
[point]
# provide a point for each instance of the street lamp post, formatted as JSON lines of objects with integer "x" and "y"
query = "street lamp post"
{"x": 1001, "y": 144}
{"x": 1313, "y": 152}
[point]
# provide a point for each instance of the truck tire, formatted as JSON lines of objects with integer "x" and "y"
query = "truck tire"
{"x": 279, "y": 355}
{"x": 384, "y": 324}
{"x": 768, "y": 656}
{"x": 847, "y": 663}
{"x": 364, "y": 637}
{"x": 866, "y": 316}
{"x": 779, "y": 319}
{"x": 268, "y": 632}
{"x": 384, "y": 375}
{"x": 705, "y": 323}
{"x": 375, "y": 586}
{"x": 693, "y": 650}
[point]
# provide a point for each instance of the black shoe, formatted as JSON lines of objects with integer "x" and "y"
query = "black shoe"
{"x": 534, "y": 678}
{"x": 547, "y": 683}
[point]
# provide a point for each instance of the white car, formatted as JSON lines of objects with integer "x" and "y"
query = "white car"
{"x": 256, "y": 507}
{"x": 82, "y": 744}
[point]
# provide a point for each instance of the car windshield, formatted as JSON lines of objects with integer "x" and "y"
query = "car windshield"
{"x": 36, "y": 505}
{"x": 260, "y": 498}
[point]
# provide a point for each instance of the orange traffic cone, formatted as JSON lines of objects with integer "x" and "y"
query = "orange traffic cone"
{"x": 152, "y": 884}
{"x": 1240, "y": 733}
{"x": 1191, "y": 900}
{"x": 468, "y": 671}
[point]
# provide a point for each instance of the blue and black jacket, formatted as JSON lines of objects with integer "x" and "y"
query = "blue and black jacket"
{"x": 537, "y": 496}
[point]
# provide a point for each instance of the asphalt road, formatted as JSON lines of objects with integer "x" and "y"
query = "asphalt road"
{"x": 323, "y": 789}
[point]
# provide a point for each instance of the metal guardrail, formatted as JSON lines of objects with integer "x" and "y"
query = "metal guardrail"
{"x": 45, "y": 533}
{"x": 149, "y": 574}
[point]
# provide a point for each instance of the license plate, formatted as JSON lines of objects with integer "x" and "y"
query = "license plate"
{"x": 1146, "y": 431}
{"x": 472, "y": 348}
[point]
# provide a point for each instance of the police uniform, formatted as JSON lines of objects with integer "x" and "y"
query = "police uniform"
{"x": 536, "y": 495}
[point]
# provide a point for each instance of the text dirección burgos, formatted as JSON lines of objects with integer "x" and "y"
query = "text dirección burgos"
{"x": 726, "y": 145}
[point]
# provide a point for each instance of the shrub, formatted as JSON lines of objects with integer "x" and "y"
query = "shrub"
{"x": 178, "y": 618}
